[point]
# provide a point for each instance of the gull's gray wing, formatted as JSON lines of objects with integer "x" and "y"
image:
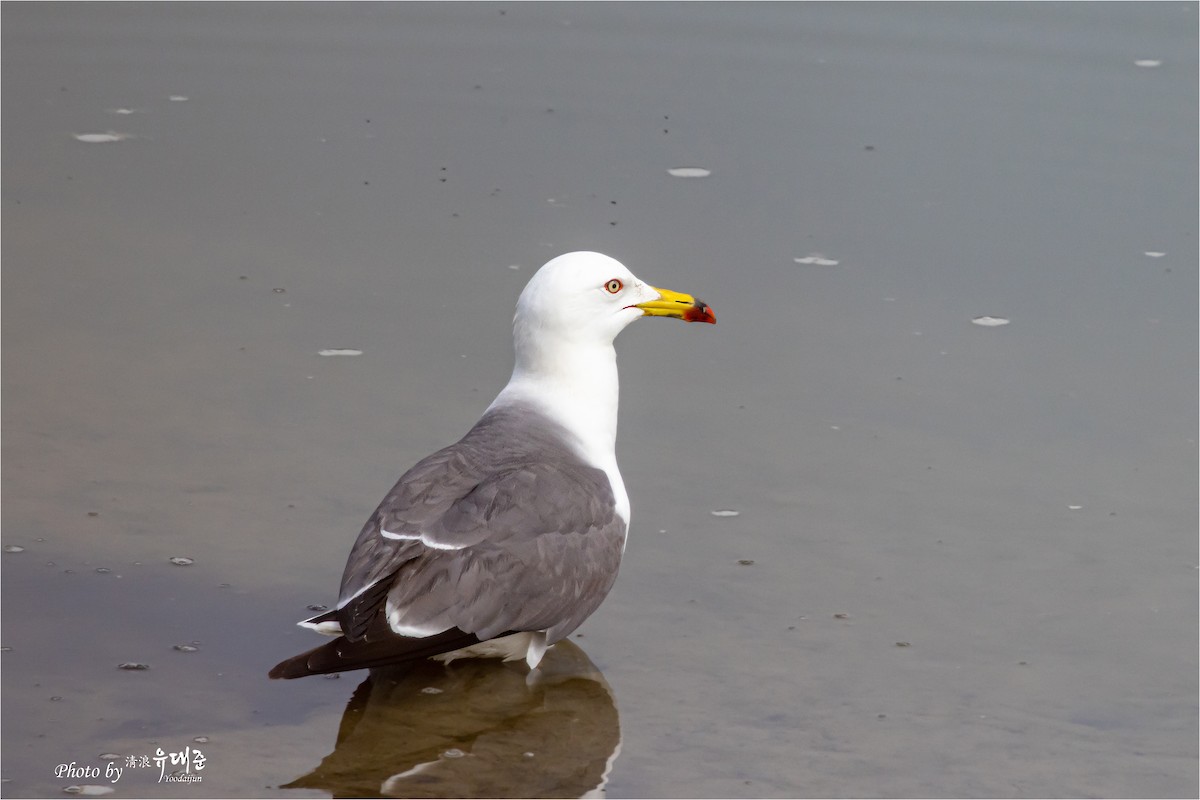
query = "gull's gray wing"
{"x": 506, "y": 530}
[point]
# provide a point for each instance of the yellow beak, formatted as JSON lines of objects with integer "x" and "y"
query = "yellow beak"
{"x": 678, "y": 305}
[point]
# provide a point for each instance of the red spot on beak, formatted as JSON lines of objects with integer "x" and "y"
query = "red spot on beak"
{"x": 700, "y": 313}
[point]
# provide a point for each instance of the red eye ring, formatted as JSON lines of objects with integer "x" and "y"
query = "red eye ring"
{"x": 613, "y": 286}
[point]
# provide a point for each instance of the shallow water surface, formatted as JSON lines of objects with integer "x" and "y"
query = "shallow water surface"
{"x": 879, "y": 548}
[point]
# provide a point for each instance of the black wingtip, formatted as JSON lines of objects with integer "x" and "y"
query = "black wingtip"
{"x": 342, "y": 655}
{"x": 294, "y": 667}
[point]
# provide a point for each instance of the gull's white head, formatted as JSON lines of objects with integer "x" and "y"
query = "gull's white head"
{"x": 588, "y": 298}
{"x": 563, "y": 331}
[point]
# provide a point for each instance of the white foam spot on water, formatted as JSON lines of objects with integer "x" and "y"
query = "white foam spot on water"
{"x": 514, "y": 266}
{"x": 99, "y": 138}
{"x": 689, "y": 172}
{"x": 816, "y": 259}
{"x": 725, "y": 512}
{"x": 178, "y": 98}
{"x": 182, "y": 561}
{"x": 13, "y": 548}
{"x": 1154, "y": 254}
{"x": 1074, "y": 508}
{"x": 124, "y": 111}
{"x": 990, "y": 322}
{"x": 89, "y": 790}
{"x": 341, "y": 352}
{"x": 1148, "y": 63}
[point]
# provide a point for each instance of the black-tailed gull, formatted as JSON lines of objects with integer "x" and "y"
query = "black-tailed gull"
{"x": 505, "y": 542}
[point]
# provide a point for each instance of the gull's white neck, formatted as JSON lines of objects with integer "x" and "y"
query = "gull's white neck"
{"x": 576, "y": 385}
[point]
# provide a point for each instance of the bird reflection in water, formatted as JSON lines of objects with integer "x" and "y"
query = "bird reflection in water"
{"x": 475, "y": 728}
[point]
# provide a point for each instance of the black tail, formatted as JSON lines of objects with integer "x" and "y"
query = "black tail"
{"x": 380, "y": 649}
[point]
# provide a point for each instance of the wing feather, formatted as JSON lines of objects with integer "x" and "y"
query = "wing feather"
{"x": 509, "y": 530}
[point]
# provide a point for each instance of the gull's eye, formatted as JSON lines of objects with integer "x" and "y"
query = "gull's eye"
{"x": 614, "y": 286}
